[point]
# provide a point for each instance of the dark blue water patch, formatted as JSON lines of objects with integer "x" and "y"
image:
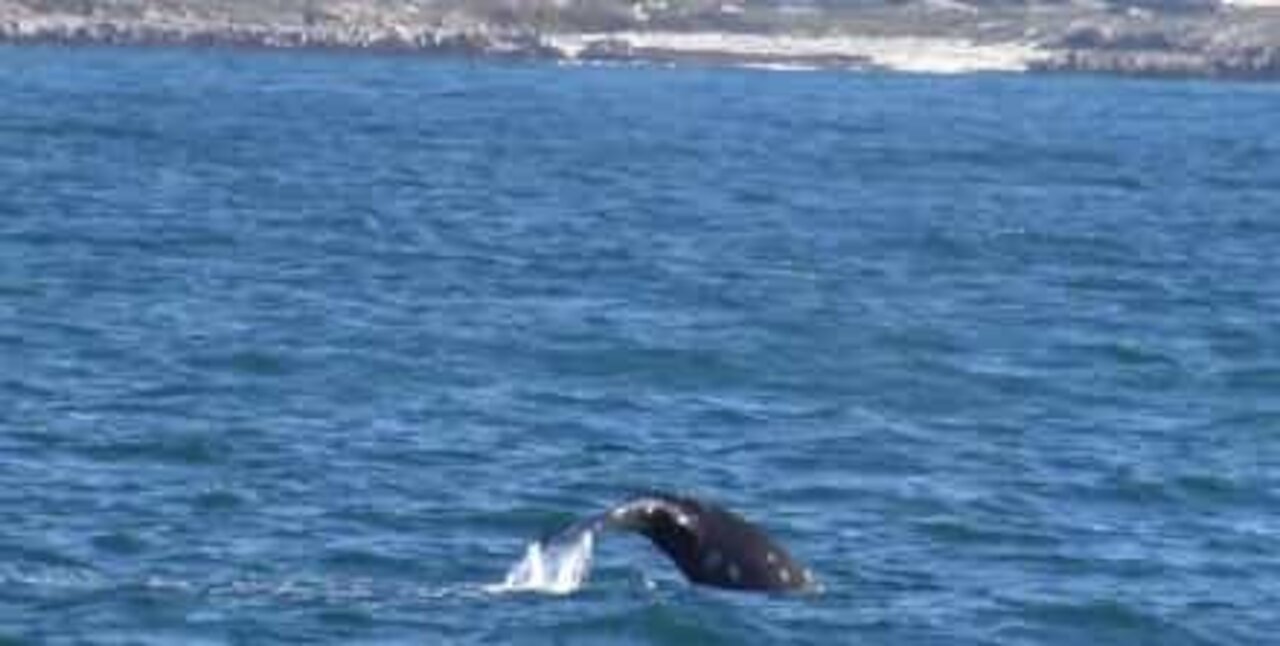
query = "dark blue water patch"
{"x": 120, "y": 543}
{"x": 1110, "y": 621}
{"x": 661, "y": 623}
{"x": 157, "y": 445}
{"x": 305, "y": 348}
{"x": 43, "y": 556}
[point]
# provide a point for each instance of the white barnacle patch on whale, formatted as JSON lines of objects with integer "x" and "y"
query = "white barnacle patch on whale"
{"x": 735, "y": 574}
{"x": 771, "y": 558}
{"x": 784, "y": 575}
{"x": 684, "y": 520}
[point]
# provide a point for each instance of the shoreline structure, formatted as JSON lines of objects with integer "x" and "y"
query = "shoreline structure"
{"x": 1224, "y": 42}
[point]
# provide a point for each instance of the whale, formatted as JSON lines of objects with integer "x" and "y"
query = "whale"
{"x": 709, "y": 544}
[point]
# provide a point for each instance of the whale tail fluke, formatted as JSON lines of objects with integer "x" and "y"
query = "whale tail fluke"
{"x": 709, "y": 544}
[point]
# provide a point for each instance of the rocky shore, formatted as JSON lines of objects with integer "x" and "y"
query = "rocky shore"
{"x": 472, "y": 40}
{"x": 1207, "y": 41}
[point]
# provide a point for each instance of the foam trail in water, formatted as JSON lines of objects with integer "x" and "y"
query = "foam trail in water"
{"x": 558, "y": 565}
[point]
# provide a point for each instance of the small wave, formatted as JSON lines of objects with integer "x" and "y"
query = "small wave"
{"x": 356, "y": 593}
{"x": 217, "y": 498}
{"x": 51, "y": 577}
{"x": 360, "y": 594}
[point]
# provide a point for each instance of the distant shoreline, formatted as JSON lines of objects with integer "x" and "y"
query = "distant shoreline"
{"x": 1104, "y": 45}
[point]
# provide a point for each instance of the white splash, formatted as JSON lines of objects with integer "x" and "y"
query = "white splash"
{"x": 558, "y": 566}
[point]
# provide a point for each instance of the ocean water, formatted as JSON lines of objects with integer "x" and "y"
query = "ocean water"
{"x": 301, "y": 348}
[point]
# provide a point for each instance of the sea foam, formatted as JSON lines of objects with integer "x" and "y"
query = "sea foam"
{"x": 559, "y": 565}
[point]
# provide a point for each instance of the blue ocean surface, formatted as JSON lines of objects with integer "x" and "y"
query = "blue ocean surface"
{"x": 305, "y": 348}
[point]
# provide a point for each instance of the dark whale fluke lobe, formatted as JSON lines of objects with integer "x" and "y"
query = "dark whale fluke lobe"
{"x": 708, "y": 543}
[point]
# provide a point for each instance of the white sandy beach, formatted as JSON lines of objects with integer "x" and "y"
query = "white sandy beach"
{"x": 906, "y": 54}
